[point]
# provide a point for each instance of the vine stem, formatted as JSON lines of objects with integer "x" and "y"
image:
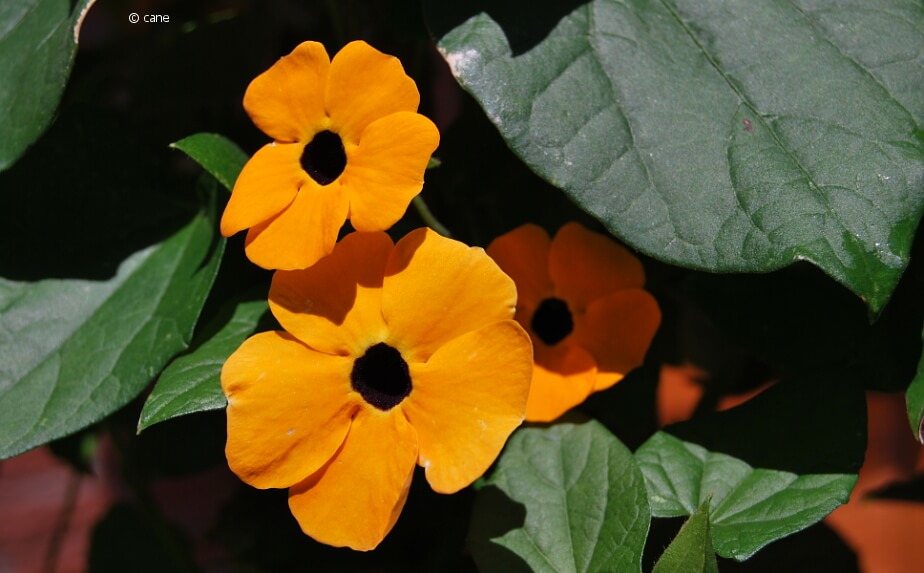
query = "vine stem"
{"x": 429, "y": 218}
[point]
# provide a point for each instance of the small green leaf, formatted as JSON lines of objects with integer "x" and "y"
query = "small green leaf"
{"x": 192, "y": 383}
{"x": 218, "y": 155}
{"x": 749, "y": 507}
{"x": 691, "y": 551}
{"x": 38, "y": 41}
{"x": 725, "y": 136}
{"x": 914, "y": 398}
{"x": 565, "y": 498}
{"x": 74, "y": 351}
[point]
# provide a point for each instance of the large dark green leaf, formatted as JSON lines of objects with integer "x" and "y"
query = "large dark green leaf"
{"x": 38, "y": 41}
{"x": 691, "y": 551}
{"x": 73, "y": 351}
{"x": 192, "y": 382}
{"x": 564, "y": 498}
{"x": 749, "y": 507}
{"x": 722, "y": 135}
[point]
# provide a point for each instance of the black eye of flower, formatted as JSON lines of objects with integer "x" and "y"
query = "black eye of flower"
{"x": 324, "y": 158}
{"x": 381, "y": 376}
{"x": 552, "y": 321}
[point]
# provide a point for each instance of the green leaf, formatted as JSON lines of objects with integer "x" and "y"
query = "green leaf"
{"x": 564, "y": 498}
{"x": 192, "y": 383}
{"x": 218, "y": 155}
{"x": 73, "y": 351}
{"x": 691, "y": 551}
{"x": 749, "y": 507}
{"x": 914, "y": 399}
{"x": 726, "y": 136}
{"x": 38, "y": 41}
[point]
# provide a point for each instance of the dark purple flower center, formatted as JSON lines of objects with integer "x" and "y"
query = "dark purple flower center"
{"x": 324, "y": 158}
{"x": 552, "y": 321}
{"x": 381, "y": 376}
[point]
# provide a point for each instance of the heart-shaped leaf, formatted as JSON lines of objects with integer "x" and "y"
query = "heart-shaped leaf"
{"x": 564, "y": 498}
{"x": 749, "y": 507}
{"x": 726, "y": 136}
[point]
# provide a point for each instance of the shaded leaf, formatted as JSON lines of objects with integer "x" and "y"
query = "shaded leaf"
{"x": 749, "y": 507}
{"x": 726, "y": 136}
{"x": 192, "y": 382}
{"x": 218, "y": 155}
{"x": 691, "y": 551}
{"x": 914, "y": 399}
{"x": 38, "y": 41}
{"x": 564, "y": 498}
{"x": 73, "y": 351}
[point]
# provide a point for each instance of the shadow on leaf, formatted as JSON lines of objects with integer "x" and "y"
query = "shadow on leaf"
{"x": 493, "y": 516}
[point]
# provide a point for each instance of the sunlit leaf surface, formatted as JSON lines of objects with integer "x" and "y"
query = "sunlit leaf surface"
{"x": 565, "y": 498}
{"x": 749, "y": 507}
{"x": 723, "y": 135}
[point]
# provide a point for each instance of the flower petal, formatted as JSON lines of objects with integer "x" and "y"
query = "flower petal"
{"x": 617, "y": 330}
{"x": 563, "y": 377}
{"x": 267, "y": 185}
{"x": 585, "y": 265}
{"x": 356, "y": 498}
{"x": 302, "y": 234}
{"x": 335, "y": 305}
{"x": 287, "y": 101}
{"x": 387, "y": 169}
{"x": 289, "y": 409}
{"x": 523, "y": 253}
{"x": 364, "y": 85}
{"x": 436, "y": 289}
{"x": 466, "y": 401}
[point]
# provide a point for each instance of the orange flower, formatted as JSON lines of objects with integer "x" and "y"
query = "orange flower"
{"x": 580, "y": 298}
{"x": 348, "y": 145}
{"x": 394, "y": 354}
